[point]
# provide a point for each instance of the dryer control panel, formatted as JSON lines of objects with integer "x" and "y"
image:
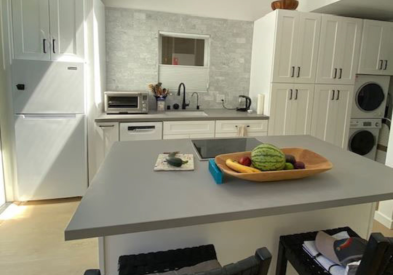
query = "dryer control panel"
{"x": 366, "y": 123}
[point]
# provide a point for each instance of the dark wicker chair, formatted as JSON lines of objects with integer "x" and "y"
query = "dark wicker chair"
{"x": 159, "y": 262}
{"x": 377, "y": 259}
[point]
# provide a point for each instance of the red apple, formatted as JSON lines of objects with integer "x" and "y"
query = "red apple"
{"x": 246, "y": 161}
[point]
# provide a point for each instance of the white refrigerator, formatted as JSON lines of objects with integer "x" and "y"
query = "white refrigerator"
{"x": 50, "y": 129}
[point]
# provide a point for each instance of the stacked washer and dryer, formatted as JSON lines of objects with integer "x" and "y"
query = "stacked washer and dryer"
{"x": 368, "y": 111}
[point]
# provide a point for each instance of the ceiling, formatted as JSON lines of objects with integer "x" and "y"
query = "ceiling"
{"x": 250, "y": 10}
{"x": 369, "y": 9}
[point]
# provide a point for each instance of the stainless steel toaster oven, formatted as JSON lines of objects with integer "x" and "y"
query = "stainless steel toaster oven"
{"x": 126, "y": 102}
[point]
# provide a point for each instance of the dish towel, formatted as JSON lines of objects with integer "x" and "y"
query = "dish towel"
{"x": 242, "y": 131}
{"x": 333, "y": 268}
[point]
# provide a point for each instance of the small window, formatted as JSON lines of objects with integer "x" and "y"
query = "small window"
{"x": 184, "y": 58}
{"x": 183, "y": 51}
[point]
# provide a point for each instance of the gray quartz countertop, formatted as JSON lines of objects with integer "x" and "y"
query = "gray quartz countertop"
{"x": 127, "y": 196}
{"x": 218, "y": 114}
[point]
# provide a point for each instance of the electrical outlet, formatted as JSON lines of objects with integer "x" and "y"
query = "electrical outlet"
{"x": 220, "y": 98}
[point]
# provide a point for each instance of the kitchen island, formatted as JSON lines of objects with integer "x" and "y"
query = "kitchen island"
{"x": 134, "y": 209}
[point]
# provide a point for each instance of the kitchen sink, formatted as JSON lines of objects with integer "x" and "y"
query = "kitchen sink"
{"x": 186, "y": 113}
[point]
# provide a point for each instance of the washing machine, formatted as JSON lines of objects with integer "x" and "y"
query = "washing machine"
{"x": 370, "y": 96}
{"x": 363, "y": 137}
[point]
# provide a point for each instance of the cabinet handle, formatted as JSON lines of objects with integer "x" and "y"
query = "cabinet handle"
{"x": 44, "y": 45}
{"x": 298, "y": 72}
{"x": 297, "y": 91}
{"x": 335, "y": 73}
{"x": 53, "y": 45}
{"x": 341, "y": 73}
{"x": 106, "y": 126}
{"x": 293, "y": 71}
{"x": 380, "y": 64}
{"x": 290, "y": 97}
{"x": 338, "y": 95}
{"x": 333, "y": 95}
{"x": 386, "y": 65}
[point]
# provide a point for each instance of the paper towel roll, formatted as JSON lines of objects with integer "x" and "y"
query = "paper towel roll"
{"x": 261, "y": 104}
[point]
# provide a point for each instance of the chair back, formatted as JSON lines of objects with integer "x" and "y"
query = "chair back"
{"x": 255, "y": 265}
{"x": 378, "y": 256}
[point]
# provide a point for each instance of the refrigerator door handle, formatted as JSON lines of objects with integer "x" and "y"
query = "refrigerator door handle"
{"x": 49, "y": 116}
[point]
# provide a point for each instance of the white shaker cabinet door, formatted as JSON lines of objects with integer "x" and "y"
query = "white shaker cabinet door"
{"x": 343, "y": 102}
{"x": 301, "y": 110}
{"x": 323, "y": 105}
{"x": 280, "y": 115}
{"x": 286, "y": 47}
{"x": 107, "y": 133}
{"x": 307, "y": 50}
{"x": 30, "y": 20}
{"x": 348, "y": 49}
{"x": 67, "y": 30}
{"x": 327, "y": 70}
{"x": 387, "y": 49}
{"x": 370, "y": 61}
{"x": 331, "y": 113}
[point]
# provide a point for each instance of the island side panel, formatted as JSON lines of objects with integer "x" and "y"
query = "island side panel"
{"x": 236, "y": 240}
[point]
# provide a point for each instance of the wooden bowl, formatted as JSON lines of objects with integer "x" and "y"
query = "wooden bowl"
{"x": 291, "y": 4}
{"x": 285, "y": 4}
{"x": 315, "y": 164}
{"x": 277, "y": 5}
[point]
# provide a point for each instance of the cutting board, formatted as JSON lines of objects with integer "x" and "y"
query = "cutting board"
{"x": 162, "y": 165}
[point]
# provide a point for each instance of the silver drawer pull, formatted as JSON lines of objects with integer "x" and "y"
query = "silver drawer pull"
{"x": 106, "y": 126}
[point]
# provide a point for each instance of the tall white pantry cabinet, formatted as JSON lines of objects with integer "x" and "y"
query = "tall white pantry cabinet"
{"x": 298, "y": 60}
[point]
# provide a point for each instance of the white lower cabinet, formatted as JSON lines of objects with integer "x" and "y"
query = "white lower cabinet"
{"x": 188, "y": 129}
{"x": 230, "y": 128}
{"x": 331, "y": 115}
{"x": 290, "y": 109}
{"x": 107, "y": 133}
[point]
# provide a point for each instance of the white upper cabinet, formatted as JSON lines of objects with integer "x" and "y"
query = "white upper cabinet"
{"x": 296, "y": 46}
{"x": 376, "y": 55}
{"x": 30, "y": 20}
{"x": 67, "y": 31}
{"x": 331, "y": 113}
{"x": 48, "y": 29}
{"x": 339, "y": 49}
{"x": 308, "y": 44}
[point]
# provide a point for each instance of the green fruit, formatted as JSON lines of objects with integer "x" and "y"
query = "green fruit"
{"x": 177, "y": 162}
{"x": 289, "y": 166}
{"x": 267, "y": 157}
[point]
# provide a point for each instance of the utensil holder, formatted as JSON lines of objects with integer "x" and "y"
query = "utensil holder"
{"x": 161, "y": 104}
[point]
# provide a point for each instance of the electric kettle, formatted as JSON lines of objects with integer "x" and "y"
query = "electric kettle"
{"x": 244, "y": 103}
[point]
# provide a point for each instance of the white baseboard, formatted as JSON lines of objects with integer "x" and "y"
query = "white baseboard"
{"x": 383, "y": 219}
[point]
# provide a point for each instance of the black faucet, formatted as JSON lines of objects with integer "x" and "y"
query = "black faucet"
{"x": 183, "y": 105}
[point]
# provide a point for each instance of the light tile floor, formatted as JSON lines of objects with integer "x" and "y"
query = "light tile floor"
{"x": 32, "y": 241}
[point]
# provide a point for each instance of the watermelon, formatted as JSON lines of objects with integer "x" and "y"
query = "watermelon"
{"x": 267, "y": 157}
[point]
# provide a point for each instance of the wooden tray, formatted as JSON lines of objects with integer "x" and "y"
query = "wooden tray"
{"x": 315, "y": 164}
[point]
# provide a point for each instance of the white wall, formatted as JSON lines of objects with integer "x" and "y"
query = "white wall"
{"x": 96, "y": 55}
{"x": 6, "y": 113}
{"x": 312, "y": 5}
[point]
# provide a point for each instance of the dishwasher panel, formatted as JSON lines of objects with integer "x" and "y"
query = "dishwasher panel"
{"x": 140, "y": 131}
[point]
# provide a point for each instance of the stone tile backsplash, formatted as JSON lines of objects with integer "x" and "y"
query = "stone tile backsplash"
{"x": 132, "y": 52}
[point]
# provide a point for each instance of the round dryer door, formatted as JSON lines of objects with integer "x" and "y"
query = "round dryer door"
{"x": 362, "y": 142}
{"x": 370, "y": 97}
